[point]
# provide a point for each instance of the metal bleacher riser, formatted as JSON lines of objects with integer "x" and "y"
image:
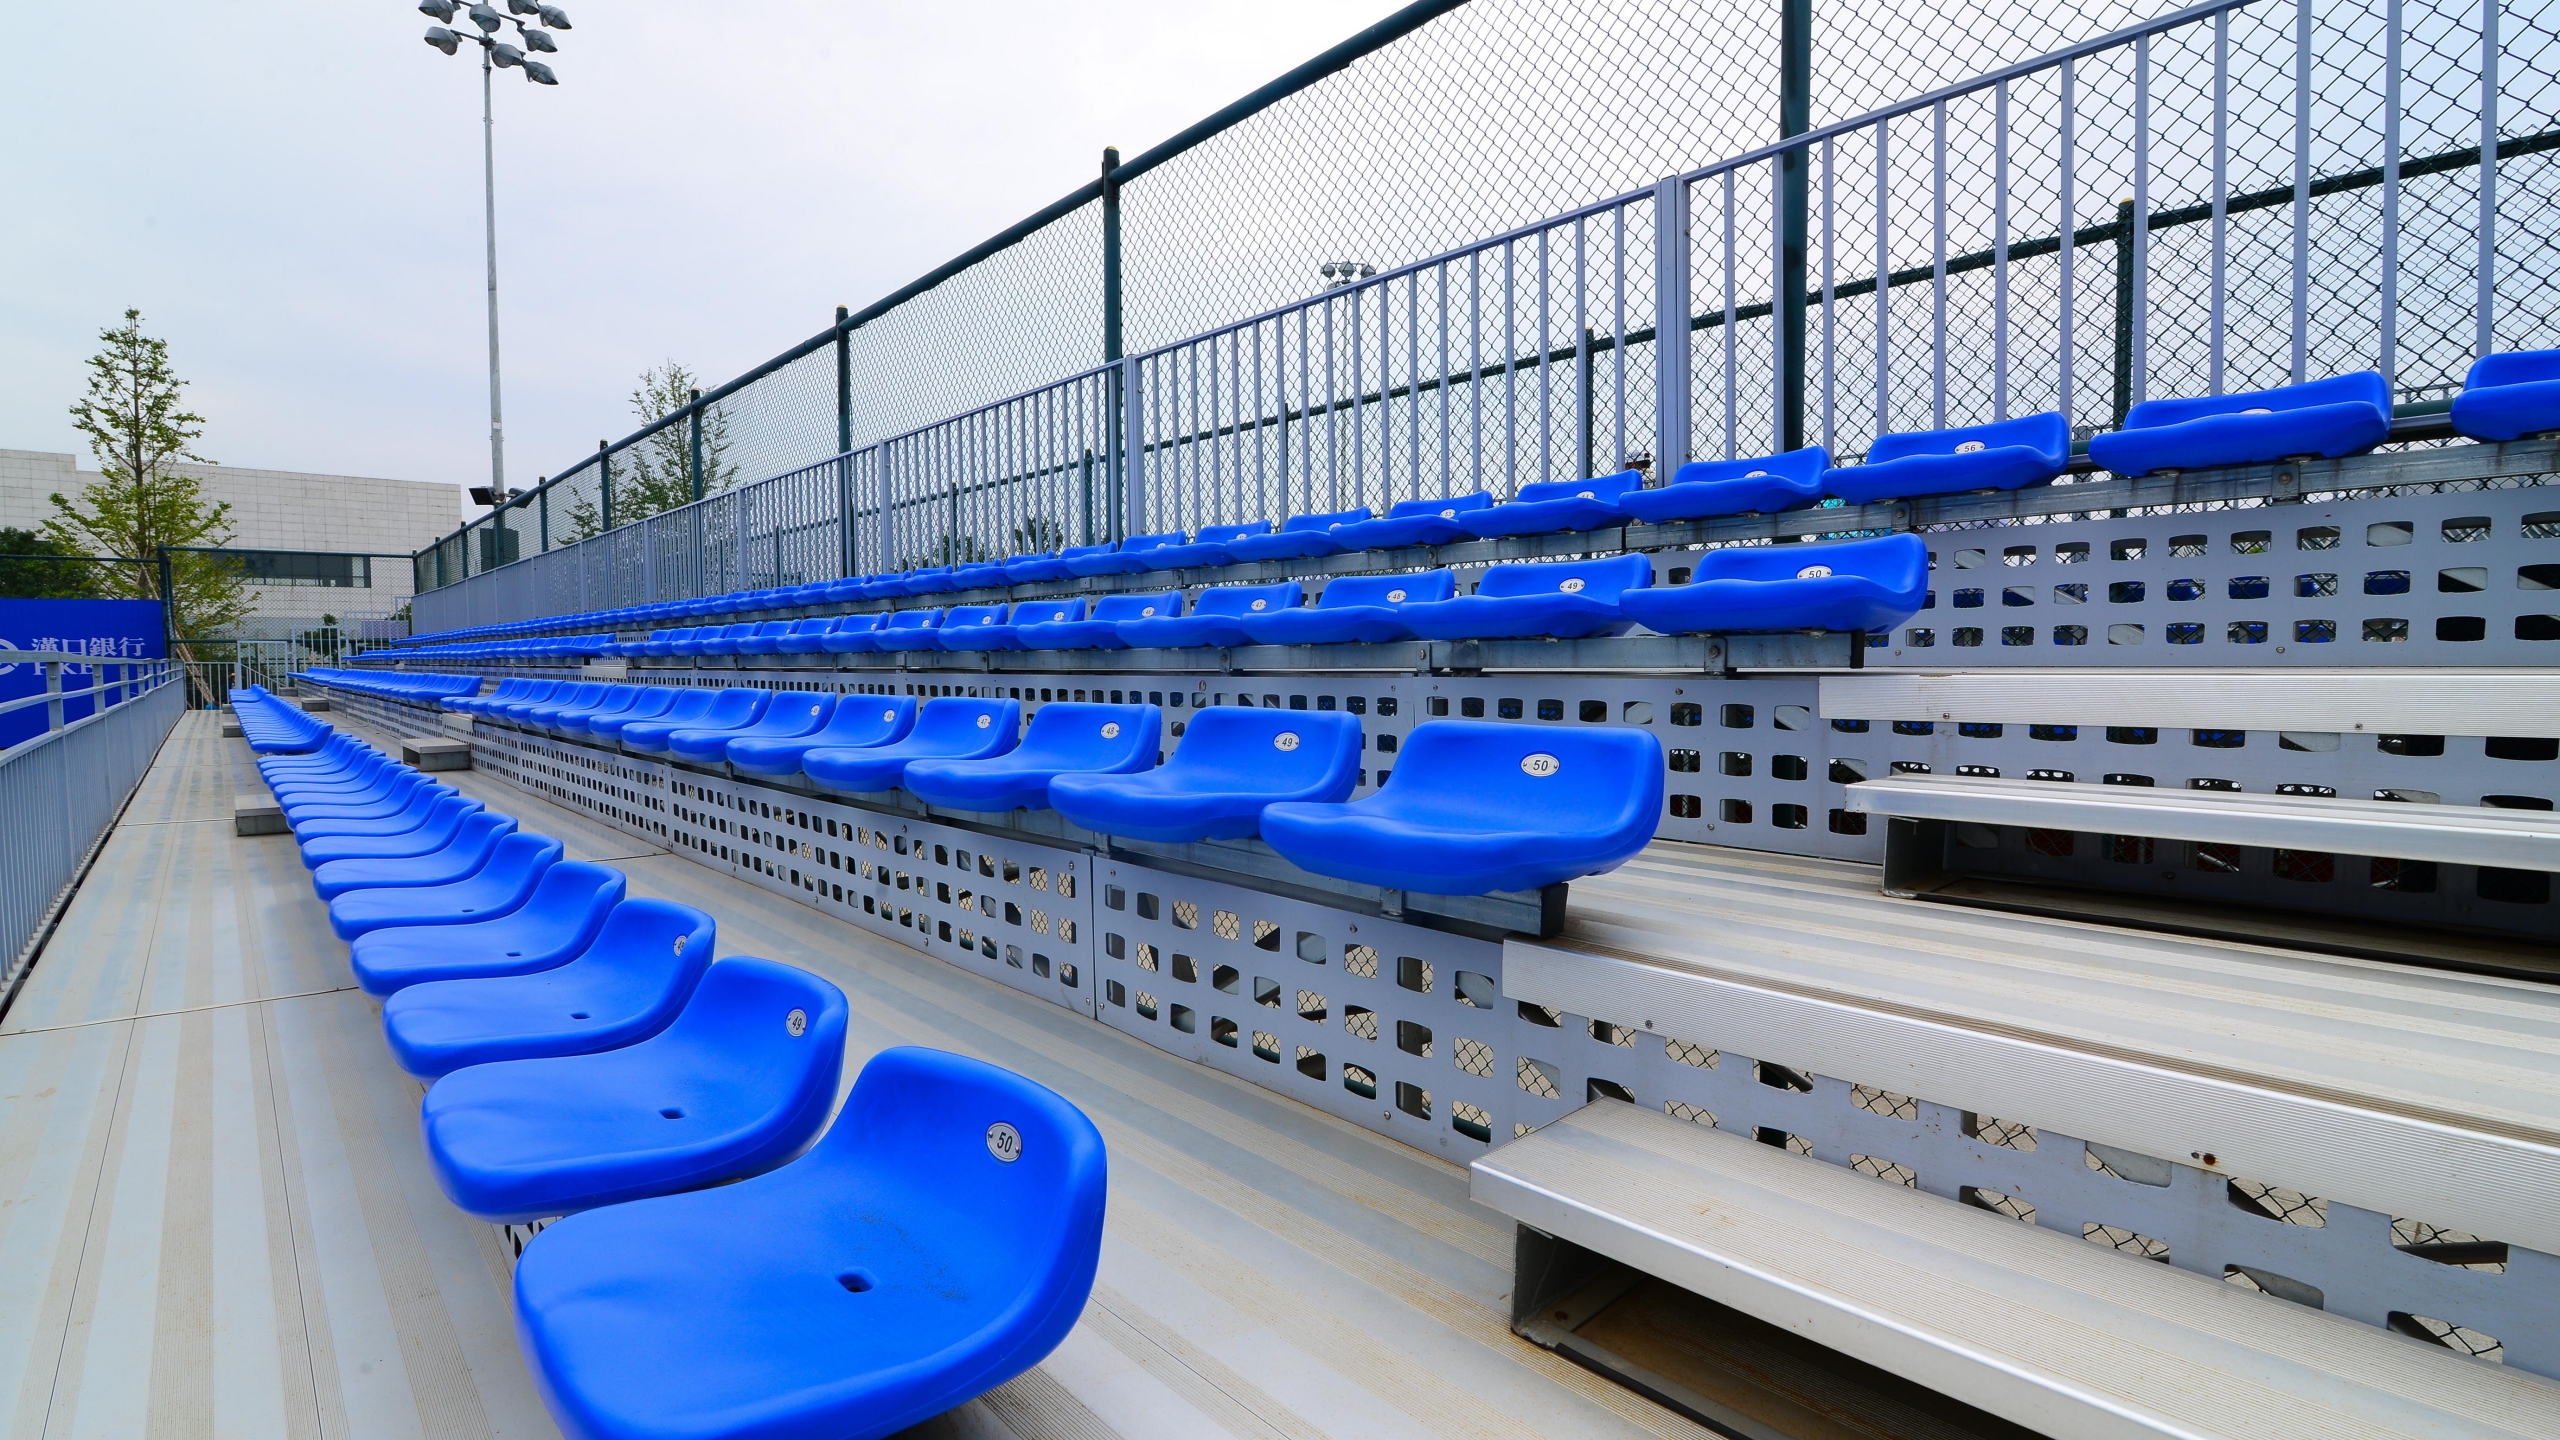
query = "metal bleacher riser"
{"x": 1462, "y": 1039}
{"x": 2172, "y": 1096}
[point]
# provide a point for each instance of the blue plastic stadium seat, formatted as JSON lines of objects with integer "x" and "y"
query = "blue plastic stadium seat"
{"x": 1062, "y": 566}
{"x": 1568, "y": 600}
{"x": 554, "y": 925}
{"x": 727, "y": 710}
{"x": 501, "y": 885}
{"x": 764, "y": 632}
{"x": 1854, "y": 585}
{"x": 788, "y": 716}
{"x": 431, "y": 834}
{"x": 1127, "y": 558}
{"x": 1704, "y": 489}
{"x": 1414, "y": 522}
{"x": 403, "y": 809}
{"x": 1064, "y": 738}
{"x": 533, "y": 712}
{"x": 688, "y": 708}
{"x": 983, "y": 575}
{"x": 1036, "y": 568}
{"x": 708, "y": 635}
{"x": 2510, "y": 396}
{"x": 907, "y": 630}
{"x": 939, "y": 1240}
{"x": 741, "y": 1080}
{"x": 950, "y": 728}
{"x": 1006, "y": 633}
{"x": 2004, "y": 455}
{"x": 1474, "y": 807}
{"x": 1102, "y": 631}
{"x": 1550, "y": 505}
{"x": 2338, "y": 416}
{"x": 931, "y": 580}
{"x": 853, "y": 635}
{"x": 959, "y": 629}
{"x": 1353, "y": 608}
{"x": 800, "y": 639}
{"x": 1231, "y": 763}
{"x": 858, "y": 721}
{"x": 1216, "y": 618}
{"x": 1214, "y": 545}
{"x": 1301, "y": 536}
{"x": 460, "y": 856}
{"x": 624, "y": 988}
{"x": 543, "y": 714}
{"x": 810, "y": 636}
{"x": 617, "y": 700}
{"x": 659, "y": 703}
{"x": 626, "y": 702}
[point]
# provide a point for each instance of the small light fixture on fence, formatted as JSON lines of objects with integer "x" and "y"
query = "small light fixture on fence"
{"x": 1338, "y": 273}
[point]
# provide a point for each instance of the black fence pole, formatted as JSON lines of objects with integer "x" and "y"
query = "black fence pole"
{"x": 844, "y": 442}
{"x": 693, "y": 463}
{"x": 604, "y": 484}
{"x": 1795, "y": 116}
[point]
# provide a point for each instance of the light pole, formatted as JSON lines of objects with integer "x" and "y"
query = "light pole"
{"x": 496, "y": 55}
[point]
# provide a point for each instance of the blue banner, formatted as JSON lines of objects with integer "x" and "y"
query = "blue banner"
{"x": 107, "y": 629}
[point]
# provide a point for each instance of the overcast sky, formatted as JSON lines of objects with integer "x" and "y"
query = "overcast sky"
{"x": 290, "y": 192}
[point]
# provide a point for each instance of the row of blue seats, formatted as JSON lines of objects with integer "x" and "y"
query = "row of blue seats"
{"x": 271, "y": 726}
{"x": 1469, "y": 808}
{"x": 1854, "y": 585}
{"x": 2504, "y": 397}
{"x": 590, "y": 1058}
{"x": 421, "y": 688}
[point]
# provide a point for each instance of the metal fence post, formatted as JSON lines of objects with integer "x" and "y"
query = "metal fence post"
{"x": 1795, "y": 116}
{"x": 844, "y": 445}
{"x": 542, "y": 504}
{"x": 887, "y": 524}
{"x": 1670, "y": 325}
{"x": 693, "y": 422}
{"x": 1130, "y": 518}
{"x": 1084, "y": 513}
{"x": 604, "y": 484}
{"x": 2124, "y": 310}
{"x": 52, "y": 695}
{"x": 1111, "y": 336}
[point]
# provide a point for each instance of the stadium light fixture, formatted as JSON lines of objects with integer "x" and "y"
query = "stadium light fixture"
{"x": 496, "y": 55}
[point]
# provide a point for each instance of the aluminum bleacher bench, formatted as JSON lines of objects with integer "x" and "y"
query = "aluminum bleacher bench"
{"x": 2037, "y": 1327}
{"x": 2451, "y": 834}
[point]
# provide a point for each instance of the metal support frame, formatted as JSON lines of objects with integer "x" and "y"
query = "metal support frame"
{"x": 1671, "y": 325}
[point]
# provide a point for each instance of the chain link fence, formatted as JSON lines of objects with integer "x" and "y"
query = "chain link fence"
{"x": 2242, "y": 195}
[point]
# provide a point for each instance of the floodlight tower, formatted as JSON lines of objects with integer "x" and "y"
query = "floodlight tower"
{"x": 496, "y": 55}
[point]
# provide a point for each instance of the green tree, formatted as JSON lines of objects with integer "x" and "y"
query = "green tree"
{"x": 140, "y": 507}
{"x": 656, "y": 475}
{"x": 32, "y": 579}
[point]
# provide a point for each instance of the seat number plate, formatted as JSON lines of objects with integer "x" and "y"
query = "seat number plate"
{"x": 1285, "y": 740}
{"x": 1004, "y": 1142}
{"x": 796, "y": 1023}
{"x": 1540, "y": 765}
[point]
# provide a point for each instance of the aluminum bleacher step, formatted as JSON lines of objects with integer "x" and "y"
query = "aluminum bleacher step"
{"x": 2039, "y": 1328}
{"x": 2367, "y": 701}
{"x": 2452, "y": 834}
{"x": 2404, "y": 1091}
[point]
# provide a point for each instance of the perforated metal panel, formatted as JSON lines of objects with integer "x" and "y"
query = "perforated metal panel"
{"x": 2464, "y": 578}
